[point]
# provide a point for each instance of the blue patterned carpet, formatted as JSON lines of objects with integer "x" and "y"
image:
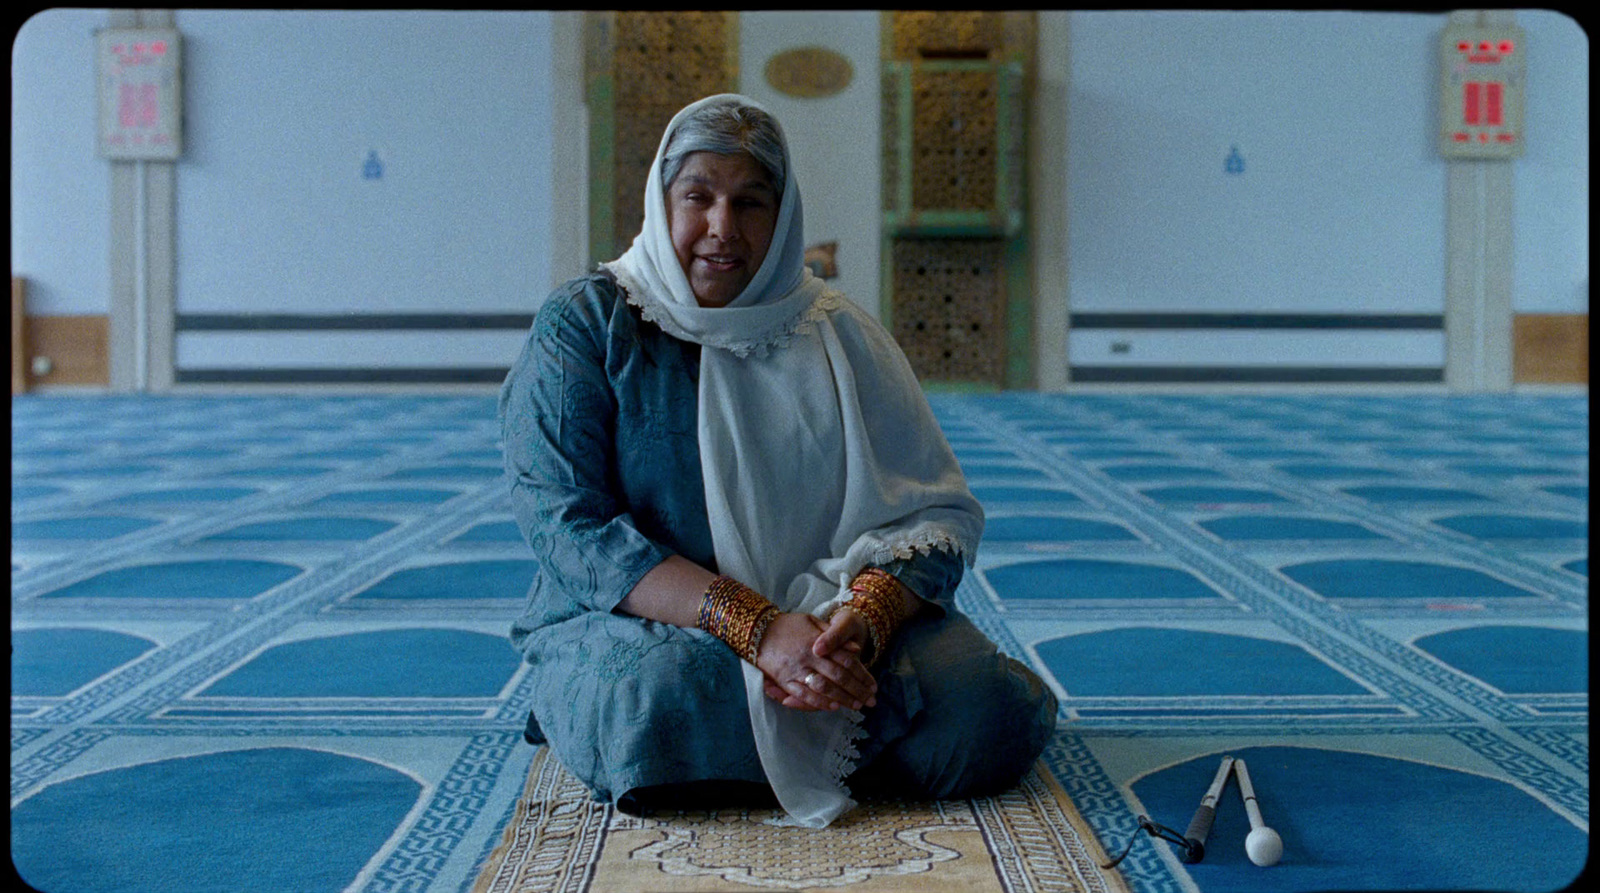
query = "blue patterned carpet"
{"x": 258, "y": 642}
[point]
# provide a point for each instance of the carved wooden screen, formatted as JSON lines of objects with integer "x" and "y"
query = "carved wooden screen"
{"x": 950, "y": 310}
{"x": 952, "y": 164}
{"x": 643, "y": 68}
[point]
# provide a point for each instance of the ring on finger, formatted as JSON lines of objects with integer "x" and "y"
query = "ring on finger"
{"x": 811, "y": 681}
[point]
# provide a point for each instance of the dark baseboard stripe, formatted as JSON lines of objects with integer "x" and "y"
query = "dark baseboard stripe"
{"x": 297, "y": 322}
{"x": 1079, "y": 374}
{"x": 1251, "y": 375}
{"x": 1255, "y": 321}
{"x": 340, "y": 376}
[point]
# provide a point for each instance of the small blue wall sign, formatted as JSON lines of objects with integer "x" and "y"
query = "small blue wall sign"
{"x": 1234, "y": 163}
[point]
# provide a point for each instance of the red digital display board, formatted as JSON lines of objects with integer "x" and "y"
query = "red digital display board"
{"x": 1481, "y": 98}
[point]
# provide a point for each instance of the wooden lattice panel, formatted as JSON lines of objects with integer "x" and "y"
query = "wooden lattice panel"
{"x": 954, "y": 140}
{"x": 949, "y": 311}
{"x": 660, "y": 62}
{"x": 946, "y": 34}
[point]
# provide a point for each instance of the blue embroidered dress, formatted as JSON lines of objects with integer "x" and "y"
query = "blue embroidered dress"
{"x": 599, "y": 424}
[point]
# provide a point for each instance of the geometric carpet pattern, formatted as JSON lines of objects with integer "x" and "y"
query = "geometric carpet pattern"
{"x": 259, "y": 641}
{"x": 1380, "y": 602}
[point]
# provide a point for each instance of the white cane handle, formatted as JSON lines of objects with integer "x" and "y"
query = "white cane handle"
{"x": 1263, "y": 845}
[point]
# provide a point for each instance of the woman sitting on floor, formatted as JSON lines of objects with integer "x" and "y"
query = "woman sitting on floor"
{"x": 749, "y": 527}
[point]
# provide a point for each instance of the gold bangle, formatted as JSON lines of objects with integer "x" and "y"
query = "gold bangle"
{"x": 736, "y": 614}
{"x": 876, "y": 596}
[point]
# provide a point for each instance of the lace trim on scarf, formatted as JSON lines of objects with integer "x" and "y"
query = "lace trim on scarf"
{"x": 923, "y": 543}
{"x": 841, "y": 763}
{"x": 904, "y": 547}
{"x": 759, "y": 345}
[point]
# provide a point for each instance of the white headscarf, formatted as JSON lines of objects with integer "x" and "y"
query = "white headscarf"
{"x": 819, "y": 452}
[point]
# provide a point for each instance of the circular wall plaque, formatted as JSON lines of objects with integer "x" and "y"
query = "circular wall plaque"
{"x": 809, "y": 72}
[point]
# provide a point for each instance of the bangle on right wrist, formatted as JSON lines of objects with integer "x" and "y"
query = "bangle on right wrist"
{"x": 736, "y": 614}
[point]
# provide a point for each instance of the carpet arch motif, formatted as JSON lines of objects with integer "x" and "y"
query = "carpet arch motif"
{"x": 460, "y": 472}
{"x": 22, "y": 492}
{"x": 1287, "y": 527}
{"x": 1272, "y": 454}
{"x": 286, "y": 470}
{"x": 1405, "y": 494}
{"x": 1011, "y": 471}
{"x": 55, "y": 661}
{"x": 1032, "y": 495}
{"x": 359, "y": 452}
{"x": 490, "y": 532}
{"x": 183, "y": 495}
{"x": 220, "y": 578}
{"x": 979, "y": 453}
{"x": 82, "y": 527}
{"x": 1334, "y": 470}
{"x": 494, "y": 578}
{"x": 1516, "y": 659}
{"x": 1108, "y": 455}
{"x": 1499, "y": 469}
{"x": 1144, "y": 471}
{"x": 1376, "y": 578}
{"x": 308, "y": 528}
{"x": 1163, "y": 662}
{"x": 387, "y": 496}
{"x": 243, "y": 819}
{"x": 1089, "y": 578}
{"x": 1213, "y": 495}
{"x": 1515, "y": 527}
{"x": 1052, "y": 527}
{"x": 389, "y": 663}
{"x": 124, "y": 470}
{"x": 1308, "y": 795}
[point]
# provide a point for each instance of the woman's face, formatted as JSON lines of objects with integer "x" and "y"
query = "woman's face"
{"x": 721, "y": 211}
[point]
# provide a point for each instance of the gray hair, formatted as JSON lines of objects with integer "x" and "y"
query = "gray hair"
{"x": 726, "y": 129}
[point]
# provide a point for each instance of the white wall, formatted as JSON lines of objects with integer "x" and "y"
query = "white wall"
{"x": 1551, "y": 218}
{"x": 1340, "y": 208}
{"x": 1341, "y": 204}
{"x": 284, "y": 107}
{"x": 281, "y": 109}
{"x": 274, "y": 215}
{"x": 834, "y": 141}
{"x": 60, "y": 191}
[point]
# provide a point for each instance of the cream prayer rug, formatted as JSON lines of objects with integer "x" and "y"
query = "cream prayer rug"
{"x": 1029, "y": 839}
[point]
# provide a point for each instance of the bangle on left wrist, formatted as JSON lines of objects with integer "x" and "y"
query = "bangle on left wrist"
{"x": 878, "y": 598}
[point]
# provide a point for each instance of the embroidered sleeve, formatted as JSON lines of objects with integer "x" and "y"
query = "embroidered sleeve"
{"x": 933, "y": 575}
{"x": 558, "y": 422}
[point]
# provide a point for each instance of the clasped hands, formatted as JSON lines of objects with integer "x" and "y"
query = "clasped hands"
{"x": 815, "y": 664}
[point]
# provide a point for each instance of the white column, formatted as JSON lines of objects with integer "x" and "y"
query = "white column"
{"x": 142, "y": 260}
{"x": 1478, "y": 262}
{"x": 1047, "y": 199}
{"x": 569, "y": 147}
